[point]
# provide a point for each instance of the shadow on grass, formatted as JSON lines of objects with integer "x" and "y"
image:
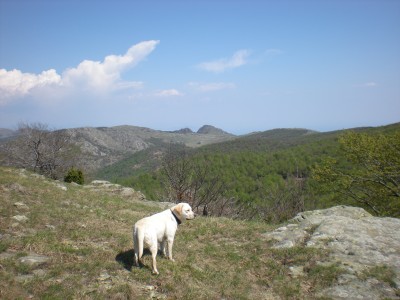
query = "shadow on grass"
{"x": 126, "y": 259}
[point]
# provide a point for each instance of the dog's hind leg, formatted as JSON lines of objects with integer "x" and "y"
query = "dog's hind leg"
{"x": 138, "y": 237}
{"x": 163, "y": 247}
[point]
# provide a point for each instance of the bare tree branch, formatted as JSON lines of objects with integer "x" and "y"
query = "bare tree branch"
{"x": 42, "y": 150}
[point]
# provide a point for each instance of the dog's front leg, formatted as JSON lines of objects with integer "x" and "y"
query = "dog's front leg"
{"x": 153, "y": 250}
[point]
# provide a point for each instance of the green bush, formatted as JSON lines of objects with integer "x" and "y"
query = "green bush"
{"x": 371, "y": 175}
{"x": 74, "y": 175}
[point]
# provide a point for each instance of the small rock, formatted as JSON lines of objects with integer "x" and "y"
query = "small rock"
{"x": 284, "y": 244}
{"x": 127, "y": 192}
{"x": 39, "y": 273}
{"x": 104, "y": 276}
{"x": 20, "y": 218}
{"x": 292, "y": 226}
{"x": 34, "y": 260}
{"x": 296, "y": 271}
{"x": 24, "y": 278}
{"x": 284, "y": 228}
{"x": 62, "y": 187}
{"x": 20, "y": 204}
{"x": 100, "y": 182}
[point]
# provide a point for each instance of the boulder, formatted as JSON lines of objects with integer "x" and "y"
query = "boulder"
{"x": 356, "y": 240}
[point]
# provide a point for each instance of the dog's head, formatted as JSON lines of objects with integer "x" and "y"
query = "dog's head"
{"x": 183, "y": 211}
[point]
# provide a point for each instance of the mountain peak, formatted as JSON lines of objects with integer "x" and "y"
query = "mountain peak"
{"x": 208, "y": 129}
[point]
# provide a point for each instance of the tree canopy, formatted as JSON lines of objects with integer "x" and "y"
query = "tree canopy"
{"x": 372, "y": 175}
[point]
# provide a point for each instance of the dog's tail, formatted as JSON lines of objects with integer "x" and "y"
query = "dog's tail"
{"x": 138, "y": 237}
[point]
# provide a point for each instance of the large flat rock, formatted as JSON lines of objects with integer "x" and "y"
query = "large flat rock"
{"x": 356, "y": 240}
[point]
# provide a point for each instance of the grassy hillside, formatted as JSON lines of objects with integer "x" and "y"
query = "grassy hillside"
{"x": 83, "y": 239}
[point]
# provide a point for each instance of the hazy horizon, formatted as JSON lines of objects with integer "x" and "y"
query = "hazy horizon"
{"x": 194, "y": 130}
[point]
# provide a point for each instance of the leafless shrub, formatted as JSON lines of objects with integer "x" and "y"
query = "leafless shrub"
{"x": 282, "y": 202}
{"x": 41, "y": 150}
{"x": 188, "y": 180}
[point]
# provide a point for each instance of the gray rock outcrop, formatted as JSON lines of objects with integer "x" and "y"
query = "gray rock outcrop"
{"x": 106, "y": 186}
{"x": 356, "y": 241}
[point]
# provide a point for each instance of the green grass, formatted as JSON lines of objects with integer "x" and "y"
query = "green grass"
{"x": 86, "y": 234}
{"x": 324, "y": 275}
{"x": 382, "y": 273}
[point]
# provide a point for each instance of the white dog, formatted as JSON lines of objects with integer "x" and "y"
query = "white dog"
{"x": 159, "y": 228}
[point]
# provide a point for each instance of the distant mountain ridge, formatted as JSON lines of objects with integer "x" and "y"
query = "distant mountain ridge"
{"x": 6, "y": 133}
{"x": 205, "y": 129}
{"x": 184, "y": 131}
{"x": 103, "y": 146}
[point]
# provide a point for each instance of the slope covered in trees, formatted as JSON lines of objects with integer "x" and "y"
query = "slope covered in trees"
{"x": 260, "y": 169}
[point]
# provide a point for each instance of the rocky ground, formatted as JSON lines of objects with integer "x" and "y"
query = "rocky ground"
{"x": 357, "y": 242}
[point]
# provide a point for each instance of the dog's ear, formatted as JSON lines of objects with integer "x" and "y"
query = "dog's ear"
{"x": 178, "y": 209}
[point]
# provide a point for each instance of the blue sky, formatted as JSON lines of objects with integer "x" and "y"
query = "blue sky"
{"x": 242, "y": 66}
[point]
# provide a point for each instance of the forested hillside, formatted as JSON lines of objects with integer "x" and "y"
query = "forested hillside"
{"x": 255, "y": 168}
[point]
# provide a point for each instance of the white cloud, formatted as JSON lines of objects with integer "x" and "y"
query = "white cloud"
{"x": 95, "y": 74}
{"x": 89, "y": 75}
{"x": 212, "y": 86}
{"x": 238, "y": 59}
{"x": 168, "y": 93}
{"x": 15, "y": 83}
